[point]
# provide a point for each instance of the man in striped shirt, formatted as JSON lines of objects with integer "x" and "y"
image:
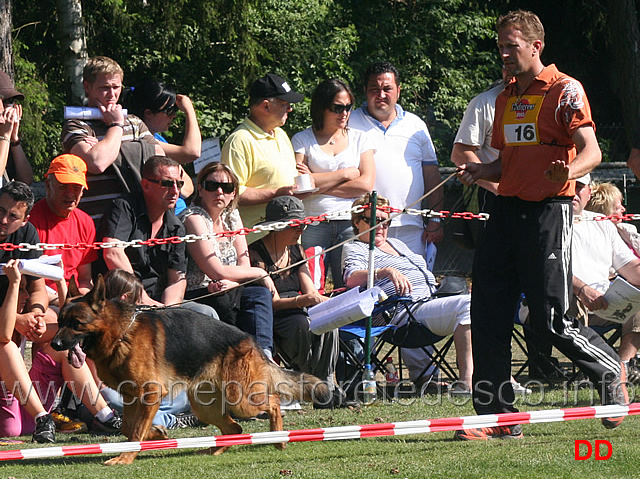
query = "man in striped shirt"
{"x": 114, "y": 148}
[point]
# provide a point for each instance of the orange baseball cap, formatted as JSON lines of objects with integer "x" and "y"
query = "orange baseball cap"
{"x": 69, "y": 169}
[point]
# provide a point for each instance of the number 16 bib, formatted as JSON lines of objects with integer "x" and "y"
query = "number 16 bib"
{"x": 520, "y": 120}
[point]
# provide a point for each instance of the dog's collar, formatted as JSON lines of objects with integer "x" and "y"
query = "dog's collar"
{"x": 133, "y": 320}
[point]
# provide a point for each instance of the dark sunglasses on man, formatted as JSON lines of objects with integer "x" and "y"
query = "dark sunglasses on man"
{"x": 212, "y": 186}
{"x": 167, "y": 183}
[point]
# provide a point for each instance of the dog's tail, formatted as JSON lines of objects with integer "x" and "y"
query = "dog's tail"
{"x": 299, "y": 386}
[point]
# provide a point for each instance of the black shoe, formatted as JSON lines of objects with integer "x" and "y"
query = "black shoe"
{"x": 555, "y": 374}
{"x": 111, "y": 427}
{"x": 615, "y": 392}
{"x": 186, "y": 420}
{"x": 45, "y": 430}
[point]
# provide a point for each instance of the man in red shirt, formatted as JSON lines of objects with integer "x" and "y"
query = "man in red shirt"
{"x": 546, "y": 137}
{"x": 58, "y": 219}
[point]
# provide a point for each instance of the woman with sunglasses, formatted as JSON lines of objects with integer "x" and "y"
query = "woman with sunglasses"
{"x": 301, "y": 349}
{"x": 400, "y": 271}
{"x": 340, "y": 161}
{"x": 156, "y": 104}
{"x": 220, "y": 264}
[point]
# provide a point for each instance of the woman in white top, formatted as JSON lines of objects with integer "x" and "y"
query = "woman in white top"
{"x": 340, "y": 161}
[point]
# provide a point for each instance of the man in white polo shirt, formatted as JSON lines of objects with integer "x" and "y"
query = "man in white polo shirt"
{"x": 406, "y": 163}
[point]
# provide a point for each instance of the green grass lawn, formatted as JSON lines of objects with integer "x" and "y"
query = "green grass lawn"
{"x": 546, "y": 451}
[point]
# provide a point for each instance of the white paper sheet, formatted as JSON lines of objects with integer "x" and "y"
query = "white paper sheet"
{"x": 623, "y": 299}
{"x": 210, "y": 152}
{"x": 43, "y": 267}
{"x": 346, "y": 308}
{"x": 85, "y": 113}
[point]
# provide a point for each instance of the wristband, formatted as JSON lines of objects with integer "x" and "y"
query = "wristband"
{"x": 296, "y": 301}
{"x": 121, "y": 125}
{"x": 39, "y": 306}
{"x": 5, "y": 139}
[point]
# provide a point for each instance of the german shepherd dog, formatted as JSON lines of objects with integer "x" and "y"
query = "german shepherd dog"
{"x": 144, "y": 355}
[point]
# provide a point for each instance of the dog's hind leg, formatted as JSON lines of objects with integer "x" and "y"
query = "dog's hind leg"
{"x": 275, "y": 418}
{"x": 213, "y": 411}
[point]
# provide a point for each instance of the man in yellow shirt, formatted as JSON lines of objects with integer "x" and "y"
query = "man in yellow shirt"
{"x": 259, "y": 151}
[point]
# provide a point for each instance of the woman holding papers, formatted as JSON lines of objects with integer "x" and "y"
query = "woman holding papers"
{"x": 280, "y": 254}
{"x": 15, "y": 418}
{"x": 400, "y": 271}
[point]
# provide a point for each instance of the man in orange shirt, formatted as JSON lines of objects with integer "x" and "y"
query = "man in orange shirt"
{"x": 546, "y": 137}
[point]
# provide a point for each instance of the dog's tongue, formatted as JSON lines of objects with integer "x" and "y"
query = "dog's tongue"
{"x": 77, "y": 356}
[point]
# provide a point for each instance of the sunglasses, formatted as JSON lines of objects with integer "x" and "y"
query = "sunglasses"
{"x": 367, "y": 220}
{"x": 10, "y": 102}
{"x": 338, "y": 109}
{"x": 212, "y": 186}
{"x": 167, "y": 183}
{"x": 169, "y": 110}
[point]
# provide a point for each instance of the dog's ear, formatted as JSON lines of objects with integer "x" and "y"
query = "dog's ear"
{"x": 73, "y": 292}
{"x": 97, "y": 296}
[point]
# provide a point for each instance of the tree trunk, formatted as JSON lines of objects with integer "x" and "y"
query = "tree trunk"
{"x": 6, "y": 52}
{"x": 624, "y": 43}
{"x": 74, "y": 47}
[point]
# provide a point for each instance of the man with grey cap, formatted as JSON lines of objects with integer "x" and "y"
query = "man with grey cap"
{"x": 259, "y": 151}
{"x": 13, "y": 161}
{"x": 596, "y": 248}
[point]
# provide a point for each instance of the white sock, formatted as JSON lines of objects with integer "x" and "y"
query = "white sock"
{"x": 268, "y": 353}
{"x": 40, "y": 414}
{"x": 105, "y": 414}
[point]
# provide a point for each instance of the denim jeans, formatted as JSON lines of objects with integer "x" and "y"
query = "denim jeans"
{"x": 326, "y": 234}
{"x": 256, "y": 315}
{"x": 166, "y": 415}
{"x": 200, "y": 308}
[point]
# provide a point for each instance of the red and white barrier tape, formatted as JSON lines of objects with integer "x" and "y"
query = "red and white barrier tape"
{"x": 333, "y": 433}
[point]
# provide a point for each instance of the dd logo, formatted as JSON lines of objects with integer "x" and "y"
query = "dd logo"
{"x": 597, "y": 450}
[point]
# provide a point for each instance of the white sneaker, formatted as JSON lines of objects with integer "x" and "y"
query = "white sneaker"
{"x": 292, "y": 405}
{"x": 520, "y": 389}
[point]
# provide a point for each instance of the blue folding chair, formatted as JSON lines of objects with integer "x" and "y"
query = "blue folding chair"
{"x": 352, "y": 346}
{"x": 412, "y": 334}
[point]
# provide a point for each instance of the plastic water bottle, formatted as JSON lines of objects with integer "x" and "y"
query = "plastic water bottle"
{"x": 392, "y": 372}
{"x": 369, "y": 386}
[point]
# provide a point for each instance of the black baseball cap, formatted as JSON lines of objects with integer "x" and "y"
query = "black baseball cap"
{"x": 273, "y": 86}
{"x": 283, "y": 208}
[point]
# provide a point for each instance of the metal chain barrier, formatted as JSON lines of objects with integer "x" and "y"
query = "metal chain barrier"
{"x": 309, "y": 220}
